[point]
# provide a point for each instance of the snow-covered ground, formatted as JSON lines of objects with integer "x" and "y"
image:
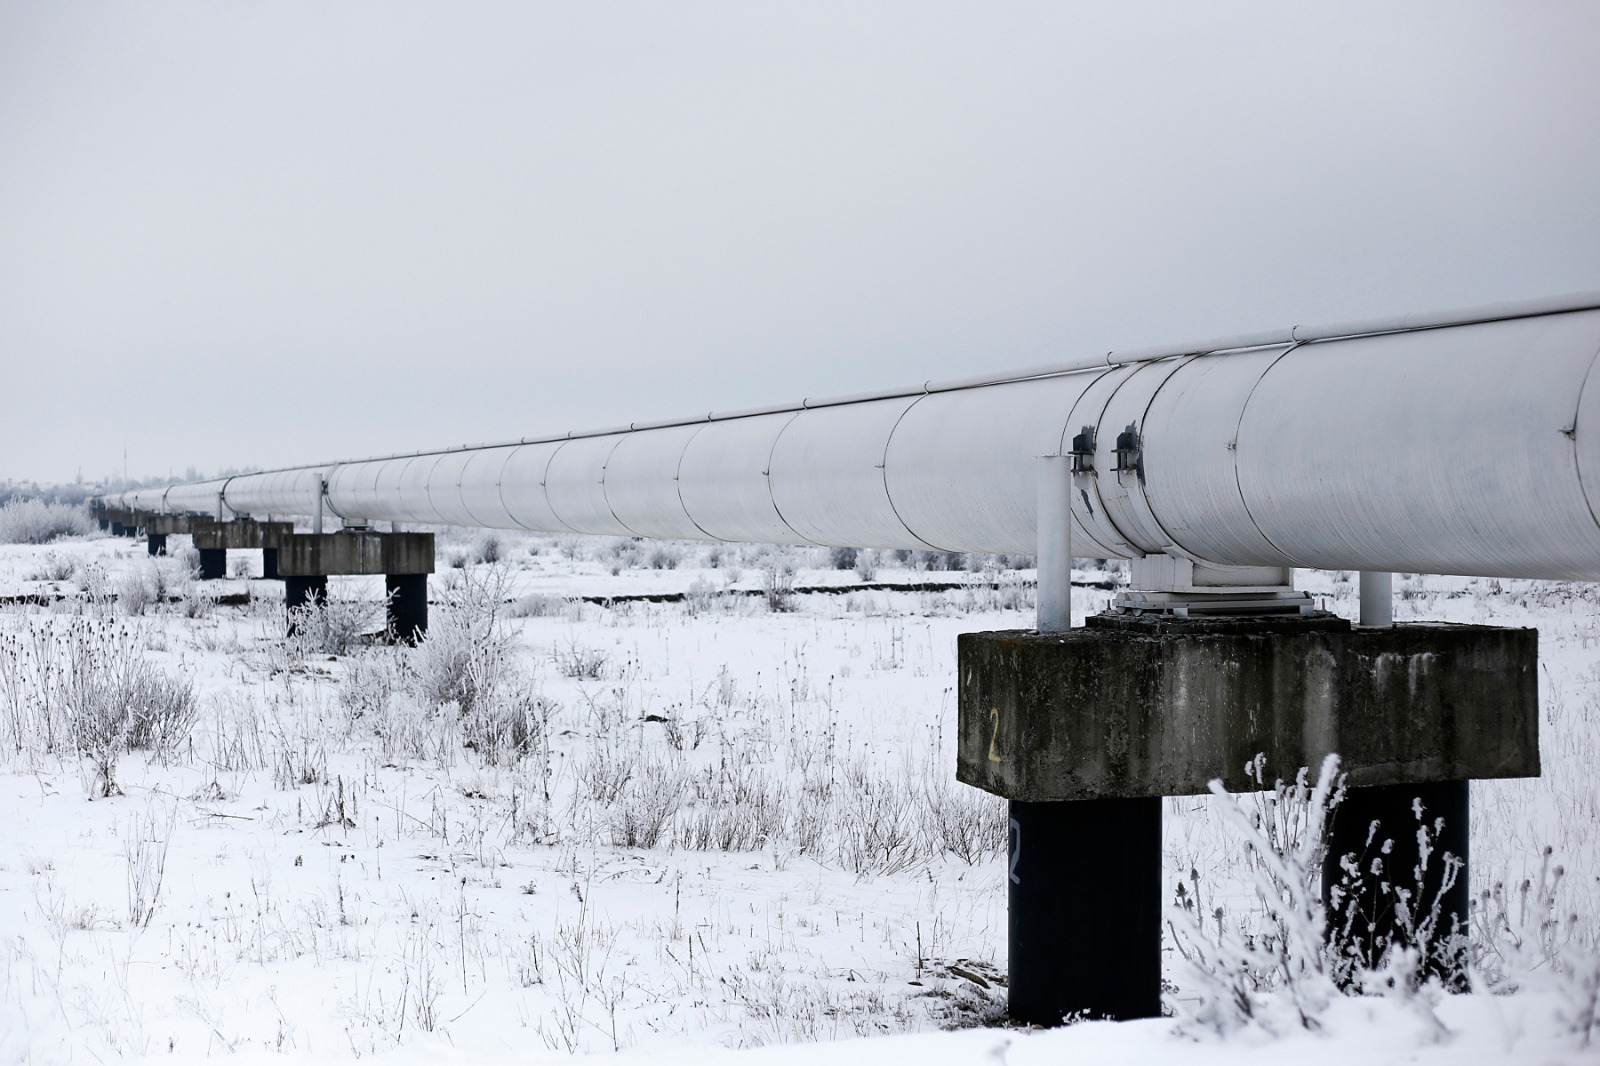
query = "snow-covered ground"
{"x": 662, "y": 827}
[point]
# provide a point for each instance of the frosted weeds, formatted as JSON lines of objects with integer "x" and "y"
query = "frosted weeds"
{"x": 581, "y": 827}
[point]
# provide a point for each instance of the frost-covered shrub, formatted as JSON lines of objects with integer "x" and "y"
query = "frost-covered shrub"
{"x": 188, "y": 559}
{"x": 935, "y": 560}
{"x": 665, "y": 557}
{"x": 1413, "y": 897}
{"x": 298, "y": 735}
{"x": 35, "y": 521}
{"x": 959, "y": 820}
{"x": 489, "y": 548}
{"x": 777, "y": 583}
{"x": 54, "y": 567}
{"x": 145, "y": 849}
{"x": 138, "y": 590}
{"x": 866, "y": 565}
{"x": 452, "y": 664}
{"x": 197, "y": 600}
{"x": 621, "y": 554}
{"x": 842, "y": 558}
{"x": 578, "y": 661}
{"x": 734, "y": 808}
{"x": 1234, "y": 969}
{"x": 538, "y": 605}
{"x": 466, "y": 663}
{"x": 878, "y": 832}
{"x": 701, "y": 597}
{"x": 646, "y": 803}
{"x": 84, "y": 686}
{"x": 331, "y": 627}
{"x": 1532, "y": 937}
{"x": 368, "y": 683}
{"x": 507, "y": 726}
{"x": 115, "y": 700}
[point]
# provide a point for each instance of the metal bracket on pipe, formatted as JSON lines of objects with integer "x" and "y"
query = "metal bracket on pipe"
{"x": 1183, "y": 588}
{"x": 1196, "y": 604}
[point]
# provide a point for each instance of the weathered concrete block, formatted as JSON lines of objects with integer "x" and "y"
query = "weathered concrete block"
{"x": 243, "y": 533}
{"x": 1130, "y": 708}
{"x": 166, "y": 524}
{"x": 355, "y": 552}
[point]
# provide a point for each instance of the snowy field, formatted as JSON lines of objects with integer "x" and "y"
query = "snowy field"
{"x": 579, "y": 819}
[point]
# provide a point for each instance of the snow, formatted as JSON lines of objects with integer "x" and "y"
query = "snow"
{"x": 344, "y": 882}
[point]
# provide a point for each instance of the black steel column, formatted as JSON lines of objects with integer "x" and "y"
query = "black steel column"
{"x": 408, "y": 606}
{"x": 269, "y": 564}
{"x": 1364, "y": 922}
{"x": 213, "y": 563}
{"x": 1084, "y": 928}
{"x": 301, "y": 592}
{"x": 117, "y": 530}
{"x": 156, "y": 543}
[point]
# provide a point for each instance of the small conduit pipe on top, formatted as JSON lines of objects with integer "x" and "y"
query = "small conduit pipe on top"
{"x": 1377, "y": 599}
{"x": 1054, "y": 549}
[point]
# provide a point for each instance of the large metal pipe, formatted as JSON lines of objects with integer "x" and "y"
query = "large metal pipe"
{"x": 1404, "y": 445}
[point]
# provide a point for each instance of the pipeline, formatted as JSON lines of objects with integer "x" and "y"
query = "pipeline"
{"x": 1455, "y": 442}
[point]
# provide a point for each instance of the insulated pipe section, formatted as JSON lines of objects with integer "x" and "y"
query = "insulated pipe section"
{"x": 198, "y": 498}
{"x": 1467, "y": 449}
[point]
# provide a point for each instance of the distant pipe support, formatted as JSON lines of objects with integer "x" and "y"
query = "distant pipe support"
{"x": 1054, "y": 547}
{"x": 213, "y": 564}
{"x": 407, "y": 596}
{"x": 1377, "y": 599}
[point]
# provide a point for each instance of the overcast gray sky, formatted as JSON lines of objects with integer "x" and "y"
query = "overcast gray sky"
{"x": 268, "y": 233}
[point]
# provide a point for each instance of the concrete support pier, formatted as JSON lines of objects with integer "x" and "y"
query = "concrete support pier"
{"x": 216, "y": 538}
{"x": 404, "y": 559}
{"x": 158, "y": 527}
{"x": 1077, "y": 728}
